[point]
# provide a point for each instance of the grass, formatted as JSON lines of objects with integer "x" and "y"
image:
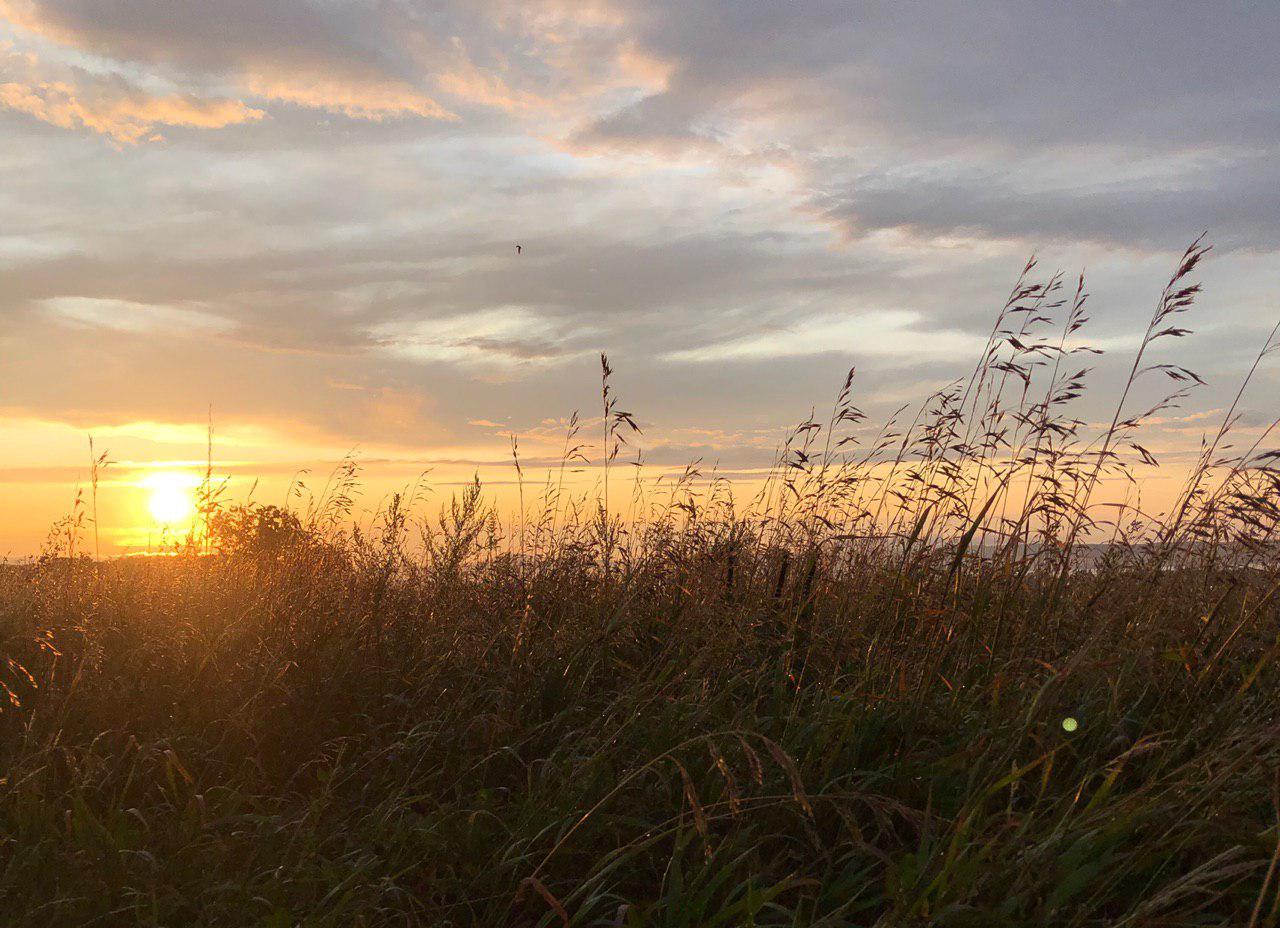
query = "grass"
{"x": 927, "y": 676}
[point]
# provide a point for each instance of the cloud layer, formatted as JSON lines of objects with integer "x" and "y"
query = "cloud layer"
{"x": 305, "y": 212}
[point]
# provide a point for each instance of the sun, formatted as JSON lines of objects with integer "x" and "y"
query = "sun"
{"x": 170, "y": 498}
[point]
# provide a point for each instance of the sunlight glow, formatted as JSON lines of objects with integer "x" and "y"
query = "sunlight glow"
{"x": 170, "y": 497}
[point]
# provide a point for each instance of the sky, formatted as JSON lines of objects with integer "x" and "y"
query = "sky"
{"x": 297, "y": 220}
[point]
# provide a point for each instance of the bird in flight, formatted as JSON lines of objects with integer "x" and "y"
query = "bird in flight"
{"x": 519, "y": 248}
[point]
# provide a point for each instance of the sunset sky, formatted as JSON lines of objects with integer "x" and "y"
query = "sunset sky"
{"x": 299, "y": 219}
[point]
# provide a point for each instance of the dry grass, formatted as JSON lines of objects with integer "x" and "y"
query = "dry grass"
{"x": 841, "y": 703}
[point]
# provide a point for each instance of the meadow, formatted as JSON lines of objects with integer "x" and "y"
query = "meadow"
{"x": 930, "y": 674}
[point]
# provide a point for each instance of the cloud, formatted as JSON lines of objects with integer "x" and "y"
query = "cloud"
{"x": 1114, "y": 198}
{"x": 508, "y": 336}
{"x": 320, "y": 56}
{"x": 939, "y": 119}
{"x": 363, "y": 59}
{"x": 217, "y": 36}
{"x": 368, "y": 100}
{"x": 735, "y": 198}
{"x": 1138, "y": 72}
{"x": 892, "y": 334}
{"x": 135, "y": 318}
{"x": 109, "y": 104}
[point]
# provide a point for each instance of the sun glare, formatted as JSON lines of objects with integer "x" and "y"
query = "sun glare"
{"x": 170, "y": 497}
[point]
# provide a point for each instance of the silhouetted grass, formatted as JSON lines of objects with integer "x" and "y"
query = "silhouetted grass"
{"x": 925, "y": 677}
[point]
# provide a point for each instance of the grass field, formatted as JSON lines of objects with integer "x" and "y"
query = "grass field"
{"x": 921, "y": 678}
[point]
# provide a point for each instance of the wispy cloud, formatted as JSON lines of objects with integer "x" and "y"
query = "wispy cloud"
{"x": 73, "y": 98}
{"x": 892, "y": 334}
{"x": 373, "y": 100}
{"x": 365, "y": 61}
{"x": 135, "y": 318}
{"x": 507, "y": 335}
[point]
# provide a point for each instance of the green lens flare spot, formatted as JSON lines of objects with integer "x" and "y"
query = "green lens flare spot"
{"x": 1070, "y": 724}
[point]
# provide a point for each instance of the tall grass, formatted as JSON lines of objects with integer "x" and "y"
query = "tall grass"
{"x": 929, "y": 674}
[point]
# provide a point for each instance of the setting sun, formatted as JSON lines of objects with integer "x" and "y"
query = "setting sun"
{"x": 170, "y": 497}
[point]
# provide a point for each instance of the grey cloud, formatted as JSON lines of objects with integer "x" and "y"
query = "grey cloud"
{"x": 222, "y": 34}
{"x": 1023, "y": 72}
{"x": 881, "y": 88}
{"x": 1236, "y": 198}
{"x": 364, "y": 58}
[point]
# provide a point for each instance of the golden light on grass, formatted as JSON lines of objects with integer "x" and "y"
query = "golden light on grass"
{"x": 170, "y": 496}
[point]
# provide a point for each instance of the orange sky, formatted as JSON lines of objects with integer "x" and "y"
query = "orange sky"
{"x": 154, "y": 472}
